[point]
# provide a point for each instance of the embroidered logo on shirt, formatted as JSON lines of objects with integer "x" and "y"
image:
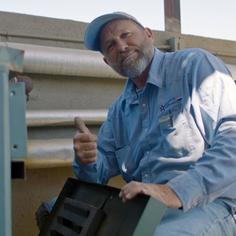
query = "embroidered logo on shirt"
{"x": 169, "y": 103}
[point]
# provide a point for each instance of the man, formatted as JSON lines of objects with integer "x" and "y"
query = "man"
{"x": 172, "y": 132}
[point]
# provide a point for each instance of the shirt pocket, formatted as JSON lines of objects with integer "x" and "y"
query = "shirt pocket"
{"x": 175, "y": 132}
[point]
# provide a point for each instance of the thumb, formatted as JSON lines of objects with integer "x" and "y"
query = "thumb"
{"x": 80, "y": 125}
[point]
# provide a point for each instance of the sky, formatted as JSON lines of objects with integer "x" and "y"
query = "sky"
{"x": 209, "y": 18}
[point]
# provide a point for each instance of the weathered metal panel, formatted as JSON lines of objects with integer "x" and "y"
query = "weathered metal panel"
{"x": 172, "y": 16}
{"x": 16, "y": 27}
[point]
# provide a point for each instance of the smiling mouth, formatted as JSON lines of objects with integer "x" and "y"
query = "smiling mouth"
{"x": 129, "y": 58}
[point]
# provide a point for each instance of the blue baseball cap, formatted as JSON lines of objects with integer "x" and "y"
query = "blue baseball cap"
{"x": 92, "y": 32}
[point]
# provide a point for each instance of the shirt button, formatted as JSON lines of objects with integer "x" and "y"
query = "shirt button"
{"x": 144, "y": 104}
{"x": 145, "y": 177}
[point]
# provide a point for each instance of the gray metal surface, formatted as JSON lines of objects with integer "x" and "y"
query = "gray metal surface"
{"x": 63, "y": 61}
{"x": 16, "y": 27}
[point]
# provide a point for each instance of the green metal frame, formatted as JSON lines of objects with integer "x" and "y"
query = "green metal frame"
{"x": 10, "y": 59}
{"x": 150, "y": 218}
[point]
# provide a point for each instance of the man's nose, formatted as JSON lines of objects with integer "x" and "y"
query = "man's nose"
{"x": 122, "y": 45}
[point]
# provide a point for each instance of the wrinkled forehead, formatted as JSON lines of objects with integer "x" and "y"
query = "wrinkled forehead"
{"x": 119, "y": 25}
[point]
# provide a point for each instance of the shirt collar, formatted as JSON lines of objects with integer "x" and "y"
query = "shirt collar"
{"x": 153, "y": 75}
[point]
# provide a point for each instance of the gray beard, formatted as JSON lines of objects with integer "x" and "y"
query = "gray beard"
{"x": 136, "y": 68}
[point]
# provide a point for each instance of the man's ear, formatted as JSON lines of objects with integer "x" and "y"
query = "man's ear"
{"x": 148, "y": 32}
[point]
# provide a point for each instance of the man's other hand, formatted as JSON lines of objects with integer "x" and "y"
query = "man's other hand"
{"x": 161, "y": 192}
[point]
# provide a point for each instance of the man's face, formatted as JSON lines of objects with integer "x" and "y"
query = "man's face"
{"x": 127, "y": 47}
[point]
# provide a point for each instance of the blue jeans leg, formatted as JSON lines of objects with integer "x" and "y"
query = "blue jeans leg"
{"x": 214, "y": 219}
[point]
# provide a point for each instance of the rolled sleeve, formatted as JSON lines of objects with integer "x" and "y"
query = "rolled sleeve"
{"x": 188, "y": 188}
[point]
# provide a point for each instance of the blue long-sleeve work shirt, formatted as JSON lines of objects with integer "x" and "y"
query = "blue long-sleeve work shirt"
{"x": 179, "y": 130}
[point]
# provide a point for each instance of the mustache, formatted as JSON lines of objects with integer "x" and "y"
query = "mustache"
{"x": 126, "y": 54}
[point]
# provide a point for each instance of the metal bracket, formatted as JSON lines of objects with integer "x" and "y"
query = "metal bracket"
{"x": 18, "y": 132}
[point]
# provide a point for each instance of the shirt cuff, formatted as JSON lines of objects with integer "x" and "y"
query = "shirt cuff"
{"x": 91, "y": 166}
{"x": 188, "y": 189}
{"x": 87, "y": 172}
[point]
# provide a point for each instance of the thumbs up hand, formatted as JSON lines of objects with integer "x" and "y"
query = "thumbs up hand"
{"x": 84, "y": 141}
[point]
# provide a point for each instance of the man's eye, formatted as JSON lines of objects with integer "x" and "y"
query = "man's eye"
{"x": 109, "y": 46}
{"x": 126, "y": 35}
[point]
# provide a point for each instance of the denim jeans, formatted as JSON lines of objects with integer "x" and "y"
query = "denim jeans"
{"x": 213, "y": 219}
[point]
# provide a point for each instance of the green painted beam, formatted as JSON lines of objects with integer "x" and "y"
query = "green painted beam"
{"x": 10, "y": 59}
{"x": 150, "y": 218}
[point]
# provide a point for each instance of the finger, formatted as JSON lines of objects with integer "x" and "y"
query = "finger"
{"x": 124, "y": 193}
{"x": 87, "y": 160}
{"x": 80, "y": 125}
{"x": 84, "y": 143}
{"x": 85, "y": 137}
{"x": 122, "y": 196}
{"x": 90, "y": 146}
{"x": 131, "y": 190}
{"x": 89, "y": 154}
